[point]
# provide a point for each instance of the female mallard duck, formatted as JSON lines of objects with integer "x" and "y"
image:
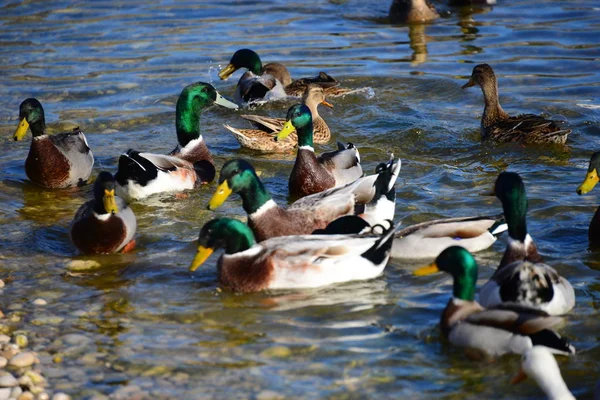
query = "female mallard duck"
{"x": 304, "y": 261}
{"x": 428, "y": 239}
{"x": 312, "y": 174}
{"x": 493, "y": 331}
{"x": 188, "y": 165}
{"x": 412, "y": 11}
{"x": 262, "y": 138}
{"x": 498, "y": 126}
{"x": 104, "y": 224}
{"x": 54, "y": 161}
{"x": 268, "y": 220}
{"x": 259, "y": 80}
{"x": 522, "y": 277}
{"x": 591, "y": 179}
{"x": 539, "y": 363}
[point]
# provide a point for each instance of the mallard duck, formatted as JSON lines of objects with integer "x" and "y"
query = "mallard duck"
{"x": 54, "y": 161}
{"x": 428, "y": 239}
{"x": 259, "y": 80}
{"x": 522, "y": 277}
{"x": 104, "y": 224}
{"x": 188, "y": 165}
{"x": 493, "y": 331}
{"x": 591, "y": 179}
{"x": 539, "y": 363}
{"x": 312, "y": 174}
{"x": 498, "y": 126}
{"x": 268, "y": 220}
{"x": 412, "y": 11}
{"x": 304, "y": 261}
{"x": 262, "y": 138}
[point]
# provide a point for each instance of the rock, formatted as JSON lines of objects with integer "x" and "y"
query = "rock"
{"x": 1, "y": 283}
{"x": 36, "y": 378}
{"x": 269, "y": 395}
{"x": 9, "y": 351}
{"x": 4, "y": 339}
{"x": 75, "y": 339}
{"x": 21, "y": 340}
{"x": 25, "y": 381}
{"x": 40, "y": 302}
{"x": 276, "y": 352}
{"x": 82, "y": 265}
{"x": 5, "y": 393}
{"x": 61, "y": 396}
{"x": 7, "y": 380}
{"x": 15, "y": 392}
{"x": 25, "y": 396}
{"x": 43, "y": 396}
{"x": 23, "y": 360}
{"x": 3, "y": 362}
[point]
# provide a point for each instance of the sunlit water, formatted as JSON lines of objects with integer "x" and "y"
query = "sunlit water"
{"x": 116, "y": 69}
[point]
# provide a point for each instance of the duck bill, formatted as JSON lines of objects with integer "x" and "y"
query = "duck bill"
{"x": 285, "y": 132}
{"x": 21, "y": 130}
{"x": 469, "y": 84}
{"x": 222, "y": 101}
{"x": 110, "y": 205}
{"x": 221, "y": 194}
{"x": 327, "y": 104}
{"x": 520, "y": 377}
{"x": 201, "y": 257}
{"x": 227, "y": 71}
{"x": 427, "y": 270}
{"x": 591, "y": 179}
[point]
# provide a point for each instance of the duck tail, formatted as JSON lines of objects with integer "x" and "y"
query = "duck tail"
{"x": 132, "y": 166}
{"x": 499, "y": 226}
{"x": 379, "y": 253}
{"x": 346, "y": 225}
{"x": 553, "y": 341}
{"x": 205, "y": 171}
{"x": 386, "y": 179}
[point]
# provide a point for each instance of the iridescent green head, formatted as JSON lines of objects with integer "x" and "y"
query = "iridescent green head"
{"x": 192, "y": 101}
{"x": 511, "y": 192}
{"x": 240, "y": 177}
{"x": 244, "y": 58}
{"x": 299, "y": 119}
{"x": 458, "y": 262}
{"x": 31, "y": 115}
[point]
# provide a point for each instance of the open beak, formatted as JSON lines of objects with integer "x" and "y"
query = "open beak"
{"x": 520, "y": 377}
{"x": 288, "y": 128}
{"x": 469, "y": 84}
{"x": 21, "y": 130}
{"x": 327, "y": 104}
{"x": 201, "y": 256}
{"x": 222, "y": 101}
{"x": 221, "y": 194}
{"x": 427, "y": 270}
{"x": 110, "y": 205}
{"x": 227, "y": 71}
{"x": 591, "y": 179}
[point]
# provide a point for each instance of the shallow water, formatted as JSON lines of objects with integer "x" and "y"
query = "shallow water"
{"x": 116, "y": 69}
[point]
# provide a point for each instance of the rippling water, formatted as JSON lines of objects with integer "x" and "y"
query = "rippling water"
{"x": 116, "y": 69}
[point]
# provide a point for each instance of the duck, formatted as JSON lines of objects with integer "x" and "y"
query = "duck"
{"x": 495, "y": 331}
{"x": 590, "y": 181}
{"x": 522, "y": 277}
{"x": 104, "y": 224}
{"x": 272, "y": 78}
{"x": 312, "y": 174}
{"x": 539, "y": 364}
{"x": 302, "y": 261}
{"x": 268, "y": 220}
{"x": 54, "y": 161}
{"x": 412, "y": 11}
{"x": 189, "y": 165}
{"x": 428, "y": 239}
{"x": 498, "y": 126}
{"x": 262, "y": 137}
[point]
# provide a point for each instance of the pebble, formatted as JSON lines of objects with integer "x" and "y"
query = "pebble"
{"x": 269, "y": 395}
{"x": 4, "y": 339}
{"x": 40, "y": 302}
{"x": 43, "y": 396}
{"x": 276, "y": 352}
{"x": 61, "y": 396}
{"x": 36, "y": 378}
{"x": 16, "y": 392}
{"x": 7, "y": 380}
{"x": 25, "y": 396}
{"x": 1, "y": 283}
{"x": 22, "y": 360}
{"x": 82, "y": 265}
{"x": 5, "y": 393}
{"x": 21, "y": 340}
{"x": 75, "y": 339}
{"x": 3, "y": 362}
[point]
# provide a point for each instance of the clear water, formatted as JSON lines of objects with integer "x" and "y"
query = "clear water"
{"x": 116, "y": 69}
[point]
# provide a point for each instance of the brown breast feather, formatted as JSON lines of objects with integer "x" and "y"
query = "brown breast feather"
{"x": 46, "y": 165}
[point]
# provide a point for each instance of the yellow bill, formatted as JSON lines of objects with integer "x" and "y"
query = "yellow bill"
{"x": 221, "y": 194}
{"x": 201, "y": 257}
{"x": 226, "y": 72}
{"x": 591, "y": 179}
{"x": 21, "y": 130}
{"x": 110, "y": 205}
{"x": 469, "y": 84}
{"x": 520, "y": 377}
{"x": 428, "y": 270}
{"x": 326, "y": 103}
{"x": 285, "y": 131}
